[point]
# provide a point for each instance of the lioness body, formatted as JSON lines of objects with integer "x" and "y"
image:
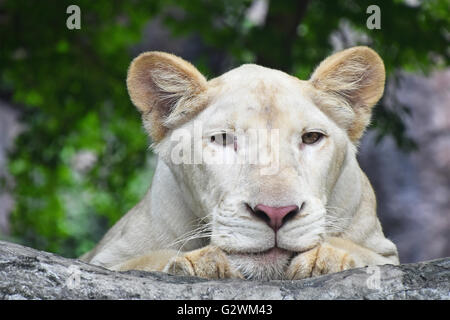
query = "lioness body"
{"x": 229, "y": 220}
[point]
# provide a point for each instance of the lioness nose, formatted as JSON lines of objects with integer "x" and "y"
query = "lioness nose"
{"x": 275, "y": 217}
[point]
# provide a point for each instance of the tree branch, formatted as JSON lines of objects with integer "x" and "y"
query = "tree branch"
{"x": 26, "y": 273}
{"x": 280, "y": 29}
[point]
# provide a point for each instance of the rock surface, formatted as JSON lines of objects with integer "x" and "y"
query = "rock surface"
{"x": 26, "y": 273}
{"x": 413, "y": 188}
{"x": 10, "y": 128}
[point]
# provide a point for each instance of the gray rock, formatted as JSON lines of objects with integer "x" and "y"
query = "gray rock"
{"x": 27, "y": 273}
{"x": 413, "y": 188}
{"x": 10, "y": 128}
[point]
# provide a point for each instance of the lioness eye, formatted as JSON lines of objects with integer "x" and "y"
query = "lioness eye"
{"x": 222, "y": 139}
{"x": 311, "y": 137}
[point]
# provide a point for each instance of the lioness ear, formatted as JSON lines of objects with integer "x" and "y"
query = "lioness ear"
{"x": 349, "y": 83}
{"x": 166, "y": 89}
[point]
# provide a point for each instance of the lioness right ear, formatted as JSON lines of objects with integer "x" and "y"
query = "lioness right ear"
{"x": 348, "y": 84}
{"x": 166, "y": 89}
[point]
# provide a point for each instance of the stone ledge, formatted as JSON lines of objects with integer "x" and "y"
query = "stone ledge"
{"x": 26, "y": 273}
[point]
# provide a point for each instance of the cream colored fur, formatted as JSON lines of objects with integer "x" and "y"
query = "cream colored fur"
{"x": 194, "y": 219}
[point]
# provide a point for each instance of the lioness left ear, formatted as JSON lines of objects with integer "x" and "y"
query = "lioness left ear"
{"x": 349, "y": 83}
{"x": 166, "y": 89}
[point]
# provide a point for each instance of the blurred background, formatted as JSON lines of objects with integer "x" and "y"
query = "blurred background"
{"x": 74, "y": 156}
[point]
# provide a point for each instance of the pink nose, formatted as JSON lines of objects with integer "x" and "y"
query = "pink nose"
{"x": 275, "y": 217}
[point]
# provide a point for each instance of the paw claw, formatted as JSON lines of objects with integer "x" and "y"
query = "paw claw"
{"x": 209, "y": 262}
{"x": 321, "y": 260}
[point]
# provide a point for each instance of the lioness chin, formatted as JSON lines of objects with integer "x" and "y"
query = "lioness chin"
{"x": 307, "y": 210}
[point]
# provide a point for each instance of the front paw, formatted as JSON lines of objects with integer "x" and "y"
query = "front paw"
{"x": 209, "y": 262}
{"x": 323, "y": 259}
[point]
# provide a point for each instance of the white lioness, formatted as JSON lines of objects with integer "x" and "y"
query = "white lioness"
{"x": 315, "y": 214}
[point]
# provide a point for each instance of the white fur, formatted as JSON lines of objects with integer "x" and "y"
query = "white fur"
{"x": 212, "y": 198}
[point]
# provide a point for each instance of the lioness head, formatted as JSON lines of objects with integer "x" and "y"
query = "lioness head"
{"x": 262, "y": 213}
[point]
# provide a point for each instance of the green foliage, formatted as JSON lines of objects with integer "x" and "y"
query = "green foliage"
{"x": 296, "y": 37}
{"x": 70, "y": 86}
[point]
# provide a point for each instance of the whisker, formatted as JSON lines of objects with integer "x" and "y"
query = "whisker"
{"x": 198, "y": 230}
{"x": 334, "y": 222}
{"x": 188, "y": 238}
{"x": 203, "y": 230}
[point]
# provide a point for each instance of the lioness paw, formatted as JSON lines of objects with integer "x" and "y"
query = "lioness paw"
{"x": 323, "y": 259}
{"x": 208, "y": 262}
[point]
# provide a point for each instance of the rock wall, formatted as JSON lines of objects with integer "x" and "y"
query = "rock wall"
{"x": 9, "y": 129}
{"x": 413, "y": 189}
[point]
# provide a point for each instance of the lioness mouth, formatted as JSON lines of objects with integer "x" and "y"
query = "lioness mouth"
{"x": 268, "y": 256}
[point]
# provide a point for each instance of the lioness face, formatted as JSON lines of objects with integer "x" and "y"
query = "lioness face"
{"x": 241, "y": 199}
{"x": 215, "y": 141}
